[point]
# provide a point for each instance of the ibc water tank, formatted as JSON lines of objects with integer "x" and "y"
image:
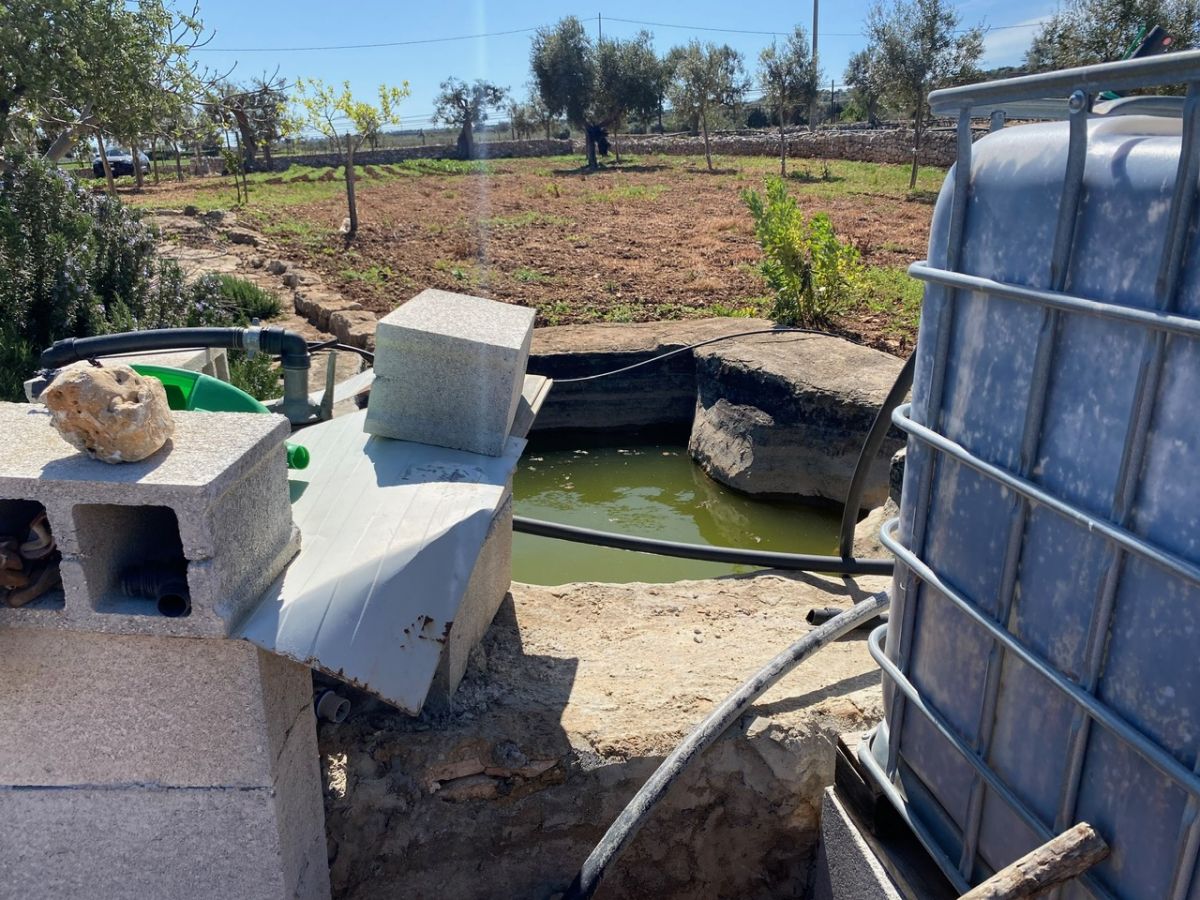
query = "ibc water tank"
{"x": 1041, "y": 661}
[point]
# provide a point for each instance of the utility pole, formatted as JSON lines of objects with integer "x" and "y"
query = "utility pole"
{"x": 599, "y": 29}
{"x": 812, "y": 107}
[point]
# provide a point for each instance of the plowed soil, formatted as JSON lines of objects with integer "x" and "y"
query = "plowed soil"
{"x": 659, "y": 238}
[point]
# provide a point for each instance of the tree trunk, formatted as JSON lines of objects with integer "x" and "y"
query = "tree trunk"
{"x": 350, "y": 200}
{"x": 136, "y": 154}
{"x": 912, "y": 180}
{"x": 108, "y": 175}
{"x": 547, "y": 123}
{"x": 266, "y": 149}
{"x": 782, "y": 146}
{"x": 178, "y": 160}
{"x": 466, "y": 140}
{"x": 590, "y": 141}
{"x": 707, "y": 148}
{"x": 616, "y": 149}
{"x": 154, "y": 158}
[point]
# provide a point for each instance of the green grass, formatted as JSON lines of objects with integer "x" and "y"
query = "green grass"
{"x": 375, "y": 275}
{"x": 444, "y": 167}
{"x": 896, "y": 294}
{"x": 525, "y": 275}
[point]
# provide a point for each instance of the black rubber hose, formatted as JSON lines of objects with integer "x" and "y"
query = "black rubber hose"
{"x": 866, "y": 456}
{"x": 802, "y": 562}
{"x": 70, "y": 350}
{"x": 716, "y": 723}
{"x": 291, "y": 348}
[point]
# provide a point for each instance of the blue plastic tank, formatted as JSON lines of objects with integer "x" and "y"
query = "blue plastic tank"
{"x": 1041, "y": 661}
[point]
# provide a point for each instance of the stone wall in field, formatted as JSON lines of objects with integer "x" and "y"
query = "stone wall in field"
{"x": 878, "y": 145}
{"x": 490, "y": 149}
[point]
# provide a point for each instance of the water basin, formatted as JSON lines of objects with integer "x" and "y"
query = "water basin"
{"x": 653, "y": 490}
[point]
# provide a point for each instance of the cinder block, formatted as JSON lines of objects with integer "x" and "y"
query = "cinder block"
{"x": 490, "y": 581}
{"x": 449, "y": 370}
{"x": 215, "y": 501}
{"x": 83, "y": 708}
{"x": 141, "y": 766}
{"x": 137, "y": 843}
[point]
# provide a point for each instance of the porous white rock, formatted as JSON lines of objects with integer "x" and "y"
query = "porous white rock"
{"x": 112, "y": 413}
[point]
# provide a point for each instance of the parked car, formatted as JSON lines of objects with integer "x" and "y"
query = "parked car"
{"x": 120, "y": 161}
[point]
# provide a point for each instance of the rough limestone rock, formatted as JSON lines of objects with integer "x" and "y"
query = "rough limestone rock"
{"x": 787, "y": 415}
{"x": 112, "y": 413}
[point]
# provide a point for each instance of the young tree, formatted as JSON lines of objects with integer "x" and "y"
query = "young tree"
{"x": 866, "y": 86}
{"x": 1092, "y": 31}
{"x": 323, "y": 107}
{"x": 789, "y": 80}
{"x": 626, "y": 81}
{"x": 918, "y": 47}
{"x": 466, "y": 106}
{"x": 539, "y": 113}
{"x": 707, "y": 78}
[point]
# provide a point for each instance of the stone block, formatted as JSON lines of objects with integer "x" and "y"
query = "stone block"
{"x": 449, "y": 370}
{"x": 213, "y": 502}
{"x": 83, "y": 708}
{"x": 140, "y": 766}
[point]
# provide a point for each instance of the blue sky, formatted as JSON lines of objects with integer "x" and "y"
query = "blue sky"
{"x": 240, "y": 25}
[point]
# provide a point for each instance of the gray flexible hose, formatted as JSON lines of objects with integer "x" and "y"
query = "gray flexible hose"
{"x": 634, "y": 815}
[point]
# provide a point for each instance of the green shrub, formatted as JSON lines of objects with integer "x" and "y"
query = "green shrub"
{"x": 251, "y": 301}
{"x": 812, "y": 273}
{"x": 72, "y": 264}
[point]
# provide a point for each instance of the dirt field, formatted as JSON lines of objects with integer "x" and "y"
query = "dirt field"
{"x": 653, "y": 238}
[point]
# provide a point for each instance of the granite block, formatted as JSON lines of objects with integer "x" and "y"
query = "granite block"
{"x": 449, "y": 371}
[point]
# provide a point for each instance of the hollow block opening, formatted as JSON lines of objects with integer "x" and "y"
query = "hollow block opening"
{"x": 133, "y": 560}
{"x": 16, "y": 516}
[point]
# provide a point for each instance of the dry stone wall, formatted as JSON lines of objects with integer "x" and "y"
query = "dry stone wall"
{"x": 878, "y": 145}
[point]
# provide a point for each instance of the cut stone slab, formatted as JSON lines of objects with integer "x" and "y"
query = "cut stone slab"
{"x": 215, "y": 500}
{"x": 449, "y": 370}
{"x": 193, "y": 773}
{"x": 787, "y": 415}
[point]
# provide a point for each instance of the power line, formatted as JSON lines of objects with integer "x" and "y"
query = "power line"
{"x": 439, "y": 40}
{"x": 492, "y": 34}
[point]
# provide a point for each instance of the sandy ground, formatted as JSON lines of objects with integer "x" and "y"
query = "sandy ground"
{"x": 574, "y": 697}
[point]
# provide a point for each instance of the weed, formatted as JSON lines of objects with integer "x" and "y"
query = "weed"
{"x": 526, "y": 275}
{"x": 621, "y": 312}
{"x": 556, "y": 312}
{"x": 371, "y": 275}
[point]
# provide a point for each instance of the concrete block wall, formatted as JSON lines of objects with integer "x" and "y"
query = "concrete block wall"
{"x": 449, "y": 370}
{"x": 140, "y": 766}
{"x": 215, "y": 501}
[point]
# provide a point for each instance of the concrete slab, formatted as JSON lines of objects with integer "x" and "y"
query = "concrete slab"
{"x": 214, "y": 501}
{"x": 392, "y": 531}
{"x": 449, "y": 371}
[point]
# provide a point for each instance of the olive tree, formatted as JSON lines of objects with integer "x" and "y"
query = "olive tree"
{"x": 466, "y": 106}
{"x": 1091, "y": 31}
{"x": 866, "y": 85}
{"x": 346, "y": 123}
{"x": 789, "y": 80}
{"x": 918, "y": 46}
{"x": 594, "y": 85}
{"x": 707, "y": 78}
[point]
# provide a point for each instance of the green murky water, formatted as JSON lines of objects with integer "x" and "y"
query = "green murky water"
{"x": 654, "y": 491}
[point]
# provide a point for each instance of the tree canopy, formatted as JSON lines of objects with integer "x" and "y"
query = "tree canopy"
{"x": 1092, "y": 31}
